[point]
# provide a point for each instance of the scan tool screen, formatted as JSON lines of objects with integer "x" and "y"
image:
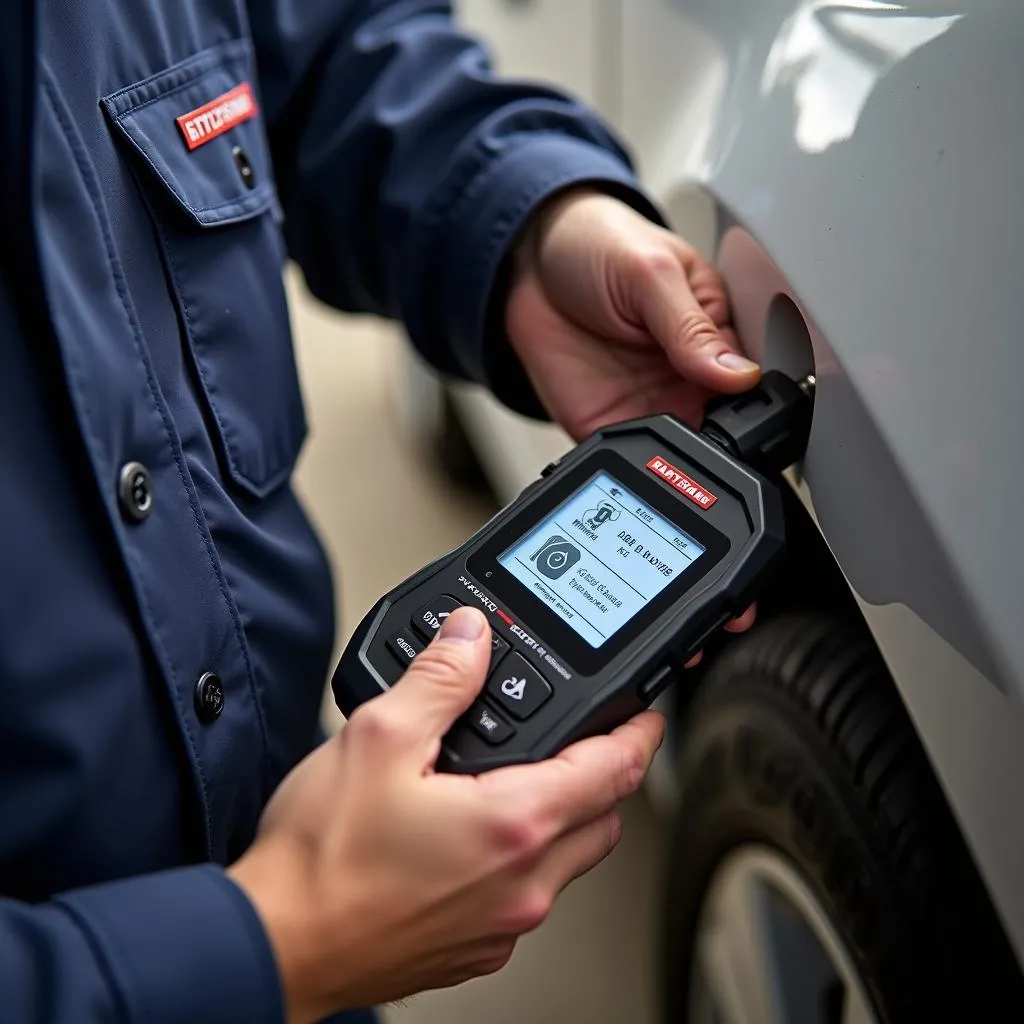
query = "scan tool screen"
{"x": 600, "y": 558}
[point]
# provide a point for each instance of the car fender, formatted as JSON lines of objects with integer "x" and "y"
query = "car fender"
{"x": 862, "y": 161}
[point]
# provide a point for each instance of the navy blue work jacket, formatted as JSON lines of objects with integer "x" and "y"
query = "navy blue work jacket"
{"x": 161, "y": 159}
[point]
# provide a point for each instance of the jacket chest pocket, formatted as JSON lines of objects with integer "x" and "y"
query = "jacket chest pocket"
{"x": 195, "y": 134}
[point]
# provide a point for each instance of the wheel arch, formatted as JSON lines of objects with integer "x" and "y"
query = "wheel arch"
{"x": 864, "y": 547}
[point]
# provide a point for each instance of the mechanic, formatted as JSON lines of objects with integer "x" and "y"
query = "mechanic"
{"x": 167, "y": 614}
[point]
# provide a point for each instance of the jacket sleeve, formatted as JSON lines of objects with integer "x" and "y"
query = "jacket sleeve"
{"x": 406, "y": 168}
{"x": 183, "y": 945}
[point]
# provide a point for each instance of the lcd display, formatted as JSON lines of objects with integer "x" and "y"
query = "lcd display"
{"x": 600, "y": 558}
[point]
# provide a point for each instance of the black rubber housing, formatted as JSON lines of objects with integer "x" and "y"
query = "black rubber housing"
{"x": 766, "y": 427}
{"x": 798, "y": 740}
{"x": 748, "y": 511}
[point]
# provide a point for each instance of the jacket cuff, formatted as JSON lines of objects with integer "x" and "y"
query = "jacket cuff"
{"x": 488, "y": 222}
{"x": 183, "y": 945}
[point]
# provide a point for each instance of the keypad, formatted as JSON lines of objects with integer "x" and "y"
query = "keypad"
{"x": 513, "y": 684}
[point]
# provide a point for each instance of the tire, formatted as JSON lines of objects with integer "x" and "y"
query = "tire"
{"x": 803, "y": 787}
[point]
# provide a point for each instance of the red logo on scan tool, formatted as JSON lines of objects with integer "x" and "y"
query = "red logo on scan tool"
{"x": 218, "y": 116}
{"x": 682, "y": 483}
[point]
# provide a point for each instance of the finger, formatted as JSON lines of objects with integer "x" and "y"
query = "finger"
{"x": 691, "y": 339}
{"x": 729, "y": 337}
{"x": 738, "y": 625}
{"x": 707, "y": 286}
{"x": 585, "y": 781}
{"x": 744, "y": 622}
{"x": 439, "y": 686}
{"x": 579, "y": 852}
{"x": 490, "y": 957}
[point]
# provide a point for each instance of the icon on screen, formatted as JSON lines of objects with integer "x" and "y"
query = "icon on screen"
{"x": 604, "y": 513}
{"x": 555, "y": 557}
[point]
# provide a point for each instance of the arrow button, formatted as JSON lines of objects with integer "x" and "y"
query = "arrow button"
{"x": 498, "y": 649}
{"x": 427, "y": 621}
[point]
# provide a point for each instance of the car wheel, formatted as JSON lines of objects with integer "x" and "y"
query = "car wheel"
{"x": 816, "y": 873}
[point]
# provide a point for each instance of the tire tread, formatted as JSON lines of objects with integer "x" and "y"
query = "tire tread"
{"x": 836, "y": 679}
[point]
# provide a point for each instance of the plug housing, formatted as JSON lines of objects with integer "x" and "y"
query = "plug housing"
{"x": 766, "y": 427}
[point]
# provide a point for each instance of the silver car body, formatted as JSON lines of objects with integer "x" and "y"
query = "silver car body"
{"x": 863, "y": 161}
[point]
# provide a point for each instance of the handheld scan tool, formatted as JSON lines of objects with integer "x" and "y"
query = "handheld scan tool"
{"x": 601, "y": 579}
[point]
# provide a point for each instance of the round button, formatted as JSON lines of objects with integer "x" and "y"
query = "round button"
{"x": 209, "y": 697}
{"x": 135, "y": 491}
{"x": 248, "y": 175}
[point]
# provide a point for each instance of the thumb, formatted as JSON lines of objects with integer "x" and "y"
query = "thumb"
{"x": 692, "y": 331}
{"x": 445, "y": 678}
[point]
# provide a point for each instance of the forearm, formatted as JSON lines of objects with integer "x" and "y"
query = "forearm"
{"x": 181, "y": 945}
{"x": 407, "y": 168}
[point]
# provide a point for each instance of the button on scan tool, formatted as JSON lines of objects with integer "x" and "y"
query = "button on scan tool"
{"x": 498, "y": 649}
{"x": 653, "y": 686}
{"x": 403, "y": 646}
{"x": 429, "y": 619}
{"x": 518, "y": 687}
{"x": 485, "y": 723}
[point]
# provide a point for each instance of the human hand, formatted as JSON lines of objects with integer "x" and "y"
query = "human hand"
{"x": 614, "y": 317}
{"x": 376, "y": 877}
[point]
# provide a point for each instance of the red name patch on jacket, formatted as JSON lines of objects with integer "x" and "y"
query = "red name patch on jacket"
{"x": 218, "y": 116}
{"x": 682, "y": 483}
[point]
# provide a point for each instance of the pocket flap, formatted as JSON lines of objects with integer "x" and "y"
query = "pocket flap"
{"x": 196, "y": 126}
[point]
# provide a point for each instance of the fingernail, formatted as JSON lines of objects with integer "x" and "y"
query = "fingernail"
{"x": 464, "y": 624}
{"x": 736, "y": 363}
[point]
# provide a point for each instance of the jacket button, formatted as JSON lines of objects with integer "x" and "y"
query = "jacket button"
{"x": 209, "y": 697}
{"x": 135, "y": 491}
{"x": 248, "y": 175}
